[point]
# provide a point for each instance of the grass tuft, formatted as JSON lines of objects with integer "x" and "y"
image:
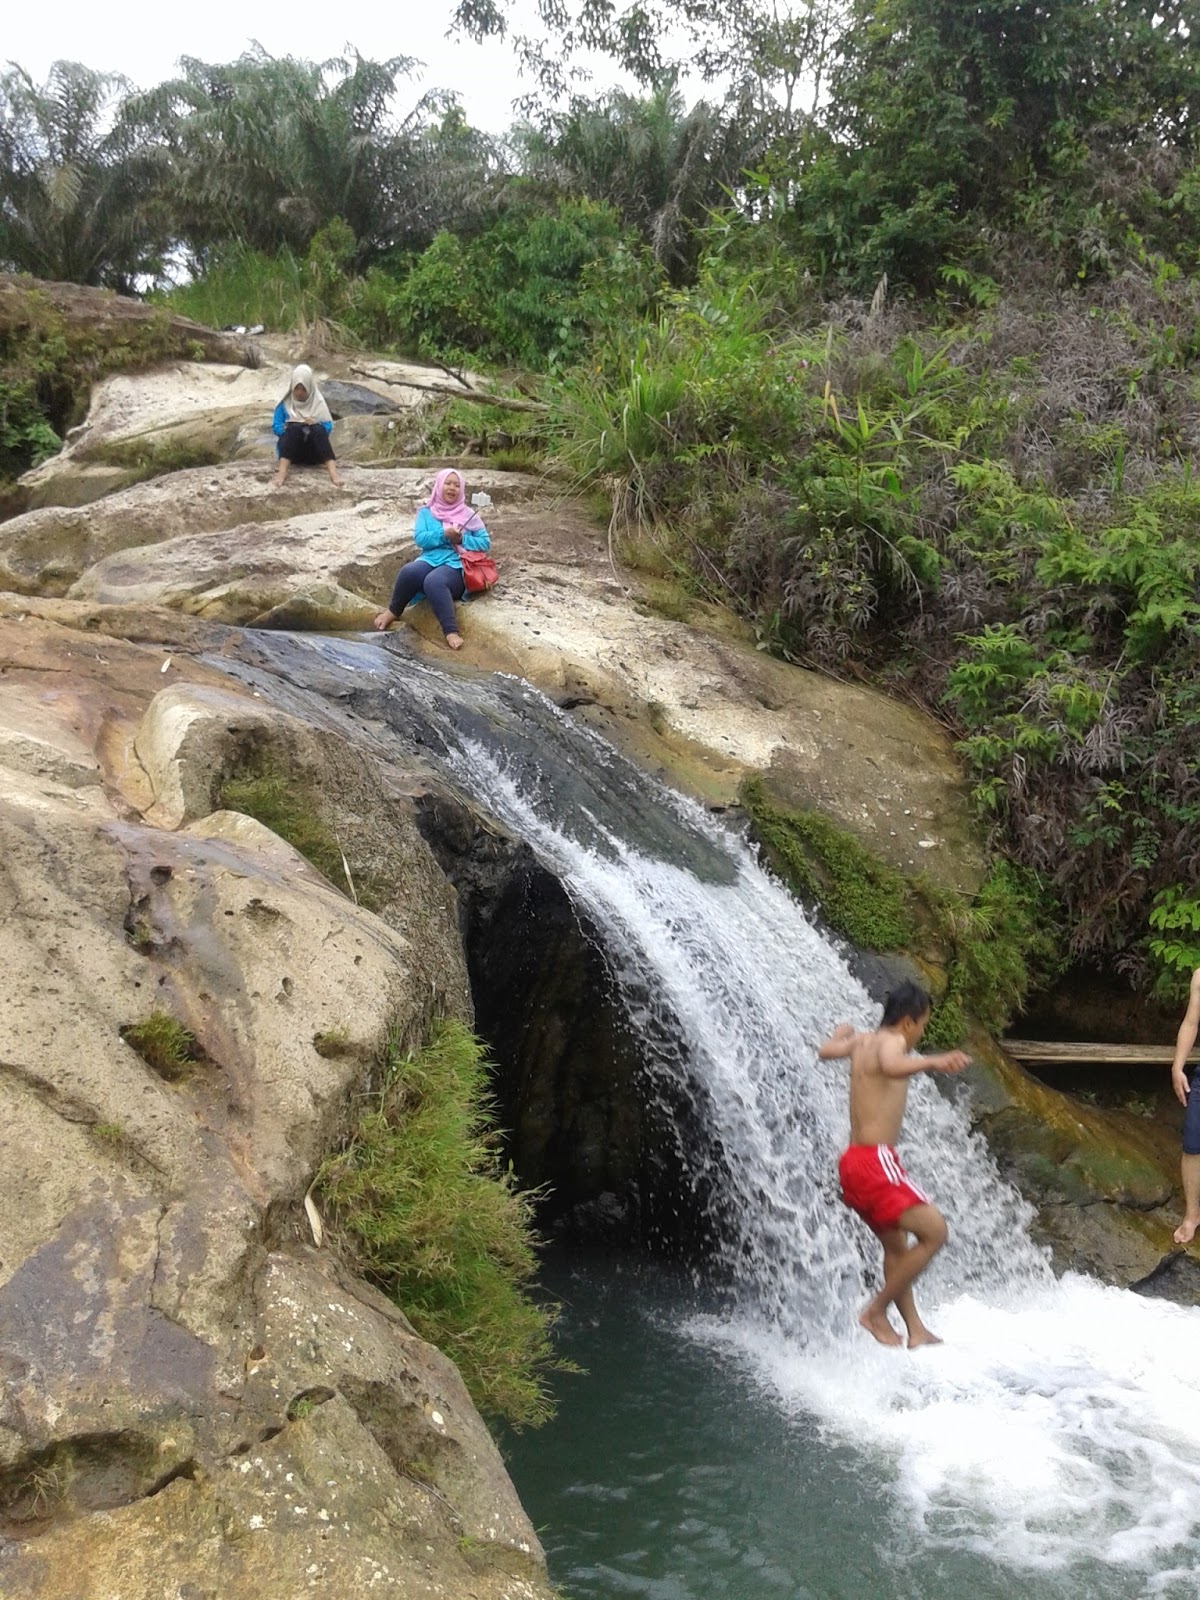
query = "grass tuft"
{"x": 437, "y": 1222}
{"x": 279, "y": 804}
{"x": 860, "y": 897}
{"x": 164, "y": 1045}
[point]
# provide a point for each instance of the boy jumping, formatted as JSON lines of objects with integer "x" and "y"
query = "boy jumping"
{"x": 873, "y": 1182}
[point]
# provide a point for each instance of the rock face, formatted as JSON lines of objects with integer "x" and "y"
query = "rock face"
{"x": 197, "y": 1400}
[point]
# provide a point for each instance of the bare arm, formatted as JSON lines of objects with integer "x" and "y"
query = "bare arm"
{"x": 839, "y": 1044}
{"x": 1185, "y": 1039}
{"x": 896, "y": 1062}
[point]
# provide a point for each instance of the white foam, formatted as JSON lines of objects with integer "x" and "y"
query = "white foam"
{"x": 1062, "y": 1427}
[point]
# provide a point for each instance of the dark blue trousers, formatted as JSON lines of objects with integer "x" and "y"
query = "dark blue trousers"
{"x": 442, "y": 586}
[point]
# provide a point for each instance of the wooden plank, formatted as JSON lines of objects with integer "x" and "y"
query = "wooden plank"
{"x": 1053, "y": 1052}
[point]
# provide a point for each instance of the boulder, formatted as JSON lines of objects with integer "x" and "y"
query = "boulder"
{"x": 197, "y": 1400}
{"x": 1101, "y": 1182}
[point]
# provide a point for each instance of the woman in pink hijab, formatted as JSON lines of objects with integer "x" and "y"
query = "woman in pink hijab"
{"x": 445, "y": 524}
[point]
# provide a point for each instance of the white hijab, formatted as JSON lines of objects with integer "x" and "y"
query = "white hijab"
{"x": 313, "y": 408}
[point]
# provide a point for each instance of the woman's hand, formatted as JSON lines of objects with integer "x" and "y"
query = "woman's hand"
{"x": 453, "y": 535}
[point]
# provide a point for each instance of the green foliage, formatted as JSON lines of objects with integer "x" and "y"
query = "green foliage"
{"x": 1002, "y": 942}
{"x": 26, "y": 438}
{"x": 1175, "y": 917}
{"x": 947, "y": 121}
{"x": 526, "y": 292}
{"x": 164, "y": 1044}
{"x": 79, "y": 176}
{"x": 268, "y": 150}
{"x": 1005, "y": 942}
{"x": 280, "y": 803}
{"x": 48, "y": 364}
{"x": 437, "y": 1222}
{"x": 661, "y": 167}
{"x": 865, "y": 901}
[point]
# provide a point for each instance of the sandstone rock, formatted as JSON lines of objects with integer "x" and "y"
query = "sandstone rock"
{"x": 195, "y": 1401}
{"x": 1102, "y": 1182}
{"x": 45, "y": 551}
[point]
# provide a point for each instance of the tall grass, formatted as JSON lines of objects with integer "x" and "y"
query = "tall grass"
{"x": 246, "y": 286}
{"x": 437, "y": 1222}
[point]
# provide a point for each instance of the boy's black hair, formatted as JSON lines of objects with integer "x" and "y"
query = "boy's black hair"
{"x": 909, "y": 1000}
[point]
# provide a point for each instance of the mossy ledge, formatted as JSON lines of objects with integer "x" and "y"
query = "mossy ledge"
{"x": 983, "y": 953}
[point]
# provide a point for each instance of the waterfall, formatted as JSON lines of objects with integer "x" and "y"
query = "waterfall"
{"x": 1061, "y": 1420}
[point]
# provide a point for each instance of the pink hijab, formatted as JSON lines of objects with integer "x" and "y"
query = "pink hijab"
{"x": 456, "y": 513}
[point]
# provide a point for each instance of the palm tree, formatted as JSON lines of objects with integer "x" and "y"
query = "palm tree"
{"x": 662, "y": 167}
{"x": 267, "y": 150}
{"x": 78, "y": 179}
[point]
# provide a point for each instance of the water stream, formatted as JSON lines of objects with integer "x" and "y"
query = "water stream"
{"x": 1052, "y": 1446}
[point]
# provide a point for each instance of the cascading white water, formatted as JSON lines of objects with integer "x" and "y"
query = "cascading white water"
{"x": 1056, "y": 1434}
{"x": 1060, "y": 1422}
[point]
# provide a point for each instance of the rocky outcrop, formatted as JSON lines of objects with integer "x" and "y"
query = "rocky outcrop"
{"x": 1102, "y": 1182}
{"x": 197, "y": 1399}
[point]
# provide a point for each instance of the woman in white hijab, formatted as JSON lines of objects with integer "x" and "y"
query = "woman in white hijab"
{"x": 302, "y": 425}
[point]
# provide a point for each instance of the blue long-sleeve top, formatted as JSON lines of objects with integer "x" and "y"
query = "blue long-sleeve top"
{"x": 280, "y": 421}
{"x": 430, "y": 538}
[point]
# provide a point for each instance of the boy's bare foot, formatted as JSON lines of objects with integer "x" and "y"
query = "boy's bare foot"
{"x": 877, "y": 1325}
{"x": 382, "y": 621}
{"x": 1186, "y": 1231}
{"x": 454, "y": 640}
{"x": 922, "y": 1336}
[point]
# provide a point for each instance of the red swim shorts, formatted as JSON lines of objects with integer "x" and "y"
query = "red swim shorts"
{"x": 876, "y": 1186}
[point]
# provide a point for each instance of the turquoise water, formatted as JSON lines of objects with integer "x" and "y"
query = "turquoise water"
{"x": 673, "y": 1473}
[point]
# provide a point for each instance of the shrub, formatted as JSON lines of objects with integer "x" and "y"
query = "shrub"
{"x": 437, "y": 1222}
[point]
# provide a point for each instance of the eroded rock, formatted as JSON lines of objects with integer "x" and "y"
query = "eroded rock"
{"x": 195, "y": 1399}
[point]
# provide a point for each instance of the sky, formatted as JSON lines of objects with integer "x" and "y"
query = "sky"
{"x": 145, "y": 44}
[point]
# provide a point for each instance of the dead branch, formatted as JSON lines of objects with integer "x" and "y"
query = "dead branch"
{"x": 502, "y": 401}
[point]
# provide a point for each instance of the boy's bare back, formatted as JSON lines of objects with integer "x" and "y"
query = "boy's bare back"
{"x": 881, "y": 1064}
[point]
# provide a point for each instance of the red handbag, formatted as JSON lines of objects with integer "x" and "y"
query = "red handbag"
{"x": 479, "y": 570}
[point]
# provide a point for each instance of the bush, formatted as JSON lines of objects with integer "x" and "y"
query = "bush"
{"x": 437, "y": 1222}
{"x": 994, "y": 510}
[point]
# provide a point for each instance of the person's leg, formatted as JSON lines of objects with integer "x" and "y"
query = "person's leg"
{"x": 443, "y": 587}
{"x": 321, "y": 454}
{"x": 1189, "y": 1166}
{"x": 895, "y": 1244}
{"x": 902, "y": 1265}
{"x": 410, "y": 580}
{"x": 290, "y": 451}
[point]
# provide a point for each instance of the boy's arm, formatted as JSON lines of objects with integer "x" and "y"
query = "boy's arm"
{"x": 896, "y": 1062}
{"x": 1185, "y": 1039}
{"x": 839, "y": 1044}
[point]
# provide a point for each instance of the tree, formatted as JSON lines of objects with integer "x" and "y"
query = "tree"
{"x": 269, "y": 150}
{"x": 662, "y": 167}
{"x": 942, "y": 116}
{"x": 79, "y": 173}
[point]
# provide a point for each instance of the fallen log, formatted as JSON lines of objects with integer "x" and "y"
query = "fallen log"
{"x": 1055, "y": 1052}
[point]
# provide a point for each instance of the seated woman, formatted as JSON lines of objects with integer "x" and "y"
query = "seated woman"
{"x": 444, "y": 524}
{"x": 302, "y": 425}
